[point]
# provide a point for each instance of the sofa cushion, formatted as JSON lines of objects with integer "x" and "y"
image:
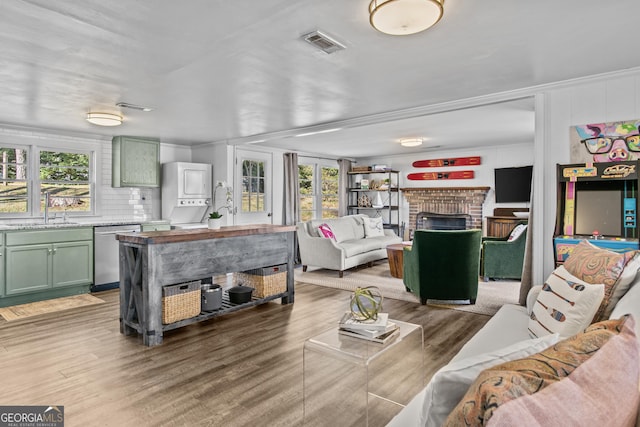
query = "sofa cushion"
{"x": 569, "y": 383}
{"x": 508, "y": 326}
{"x": 450, "y": 383}
{"x": 359, "y": 246}
{"x": 596, "y": 265}
{"x": 373, "y": 227}
{"x": 565, "y": 305}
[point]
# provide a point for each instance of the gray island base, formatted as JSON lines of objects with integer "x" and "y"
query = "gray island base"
{"x": 151, "y": 260}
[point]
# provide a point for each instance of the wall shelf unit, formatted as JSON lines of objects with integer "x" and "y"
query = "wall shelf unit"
{"x": 375, "y": 194}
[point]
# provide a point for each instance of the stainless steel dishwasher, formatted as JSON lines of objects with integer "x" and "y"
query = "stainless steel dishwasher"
{"x": 106, "y": 272}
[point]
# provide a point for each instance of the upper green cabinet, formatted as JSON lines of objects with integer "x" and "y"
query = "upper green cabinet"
{"x": 136, "y": 162}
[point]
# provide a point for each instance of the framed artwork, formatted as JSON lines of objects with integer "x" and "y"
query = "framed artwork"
{"x": 605, "y": 142}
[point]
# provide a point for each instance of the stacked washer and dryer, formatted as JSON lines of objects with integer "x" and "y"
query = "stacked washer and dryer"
{"x": 186, "y": 194}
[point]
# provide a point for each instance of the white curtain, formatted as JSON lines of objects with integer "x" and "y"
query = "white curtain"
{"x": 344, "y": 166}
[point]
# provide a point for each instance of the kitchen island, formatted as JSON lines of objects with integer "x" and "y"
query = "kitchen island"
{"x": 151, "y": 260}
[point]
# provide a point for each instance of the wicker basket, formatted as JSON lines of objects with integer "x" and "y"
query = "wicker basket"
{"x": 180, "y": 301}
{"x": 266, "y": 281}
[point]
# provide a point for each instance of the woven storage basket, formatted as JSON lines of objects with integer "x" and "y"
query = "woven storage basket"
{"x": 266, "y": 281}
{"x": 180, "y": 301}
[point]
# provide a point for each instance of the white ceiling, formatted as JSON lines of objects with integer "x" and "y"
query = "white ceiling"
{"x": 237, "y": 71}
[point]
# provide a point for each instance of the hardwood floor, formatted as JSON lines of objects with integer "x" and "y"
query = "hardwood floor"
{"x": 244, "y": 368}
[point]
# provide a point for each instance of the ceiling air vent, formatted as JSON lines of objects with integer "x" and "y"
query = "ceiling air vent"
{"x": 323, "y": 42}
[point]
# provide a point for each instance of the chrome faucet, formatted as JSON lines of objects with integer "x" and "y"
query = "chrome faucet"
{"x": 46, "y": 207}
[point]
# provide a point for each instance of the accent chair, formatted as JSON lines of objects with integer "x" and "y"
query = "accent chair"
{"x": 443, "y": 265}
{"x": 502, "y": 258}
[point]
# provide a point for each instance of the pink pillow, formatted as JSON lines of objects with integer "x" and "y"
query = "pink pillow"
{"x": 325, "y": 231}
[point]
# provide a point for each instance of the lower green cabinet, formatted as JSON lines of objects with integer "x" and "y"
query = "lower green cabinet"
{"x": 28, "y": 268}
{"x": 42, "y": 264}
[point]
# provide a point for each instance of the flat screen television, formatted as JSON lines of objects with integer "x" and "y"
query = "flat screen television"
{"x": 513, "y": 184}
{"x": 598, "y": 206}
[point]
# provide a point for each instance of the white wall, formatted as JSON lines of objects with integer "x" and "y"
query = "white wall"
{"x": 602, "y": 99}
{"x": 491, "y": 158}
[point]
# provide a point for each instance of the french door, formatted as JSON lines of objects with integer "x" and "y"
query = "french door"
{"x": 253, "y": 187}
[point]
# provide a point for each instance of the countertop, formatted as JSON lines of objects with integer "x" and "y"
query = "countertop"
{"x": 27, "y": 225}
{"x": 173, "y": 236}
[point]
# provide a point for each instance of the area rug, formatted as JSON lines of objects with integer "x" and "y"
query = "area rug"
{"x": 491, "y": 295}
{"x": 22, "y": 311}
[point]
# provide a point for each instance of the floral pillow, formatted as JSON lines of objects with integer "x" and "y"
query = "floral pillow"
{"x": 596, "y": 265}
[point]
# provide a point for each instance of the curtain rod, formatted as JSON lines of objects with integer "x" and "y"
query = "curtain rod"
{"x": 322, "y": 158}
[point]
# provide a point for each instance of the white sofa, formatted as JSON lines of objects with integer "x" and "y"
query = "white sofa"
{"x": 353, "y": 243}
{"x": 505, "y": 330}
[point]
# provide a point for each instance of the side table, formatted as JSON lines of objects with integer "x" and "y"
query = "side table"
{"x": 395, "y": 255}
{"x": 354, "y": 382}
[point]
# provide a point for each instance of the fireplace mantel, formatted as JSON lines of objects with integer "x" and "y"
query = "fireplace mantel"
{"x": 435, "y": 189}
{"x": 446, "y": 200}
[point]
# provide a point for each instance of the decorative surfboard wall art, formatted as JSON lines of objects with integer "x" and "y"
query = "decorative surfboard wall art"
{"x": 452, "y": 161}
{"x": 429, "y": 176}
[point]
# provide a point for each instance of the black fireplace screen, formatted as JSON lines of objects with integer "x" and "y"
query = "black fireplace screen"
{"x": 436, "y": 221}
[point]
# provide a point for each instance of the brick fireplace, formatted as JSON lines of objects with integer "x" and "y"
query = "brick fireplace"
{"x": 463, "y": 201}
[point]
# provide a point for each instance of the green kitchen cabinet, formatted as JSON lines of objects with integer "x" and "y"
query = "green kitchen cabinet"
{"x": 135, "y": 162}
{"x": 44, "y": 264}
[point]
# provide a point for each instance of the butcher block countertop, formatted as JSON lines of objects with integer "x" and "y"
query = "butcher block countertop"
{"x": 174, "y": 236}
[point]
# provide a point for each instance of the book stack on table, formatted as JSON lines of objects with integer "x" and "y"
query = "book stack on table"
{"x": 380, "y": 330}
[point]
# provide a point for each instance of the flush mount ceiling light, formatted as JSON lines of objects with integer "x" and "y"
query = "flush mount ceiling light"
{"x": 104, "y": 119}
{"x": 410, "y": 142}
{"x": 403, "y": 17}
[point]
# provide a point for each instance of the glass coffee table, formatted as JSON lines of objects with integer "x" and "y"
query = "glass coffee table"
{"x": 355, "y": 382}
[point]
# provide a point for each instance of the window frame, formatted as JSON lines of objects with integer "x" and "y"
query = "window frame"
{"x": 316, "y": 183}
{"x": 34, "y": 185}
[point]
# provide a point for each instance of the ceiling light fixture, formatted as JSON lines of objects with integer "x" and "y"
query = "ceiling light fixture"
{"x": 104, "y": 119}
{"x": 403, "y": 17}
{"x": 410, "y": 142}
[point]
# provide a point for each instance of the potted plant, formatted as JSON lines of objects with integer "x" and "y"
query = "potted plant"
{"x": 214, "y": 220}
{"x": 215, "y": 217}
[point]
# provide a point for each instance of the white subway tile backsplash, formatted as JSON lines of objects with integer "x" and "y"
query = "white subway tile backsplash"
{"x": 114, "y": 203}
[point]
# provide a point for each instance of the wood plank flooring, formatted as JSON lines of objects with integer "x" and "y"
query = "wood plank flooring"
{"x": 241, "y": 369}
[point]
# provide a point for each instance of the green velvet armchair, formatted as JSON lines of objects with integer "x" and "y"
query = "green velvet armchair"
{"x": 443, "y": 265}
{"x": 502, "y": 259}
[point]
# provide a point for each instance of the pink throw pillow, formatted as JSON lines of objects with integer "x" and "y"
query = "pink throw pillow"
{"x": 325, "y": 231}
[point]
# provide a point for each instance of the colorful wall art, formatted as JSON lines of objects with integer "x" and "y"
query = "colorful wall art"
{"x": 605, "y": 142}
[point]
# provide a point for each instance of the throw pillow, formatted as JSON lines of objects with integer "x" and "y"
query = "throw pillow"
{"x": 326, "y": 232}
{"x": 450, "y": 383}
{"x": 565, "y": 305}
{"x": 373, "y": 227}
{"x": 516, "y": 232}
{"x": 596, "y": 265}
{"x": 588, "y": 379}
